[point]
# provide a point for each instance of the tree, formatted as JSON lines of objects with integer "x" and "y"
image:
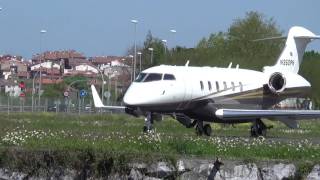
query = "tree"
{"x": 243, "y": 32}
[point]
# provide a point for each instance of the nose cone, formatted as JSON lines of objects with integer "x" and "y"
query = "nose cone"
{"x": 131, "y": 97}
{"x": 128, "y": 99}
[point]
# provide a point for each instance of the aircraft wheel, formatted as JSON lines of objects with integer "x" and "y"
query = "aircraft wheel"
{"x": 207, "y": 129}
{"x": 199, "y": 130}
{"x": 253, "y": 131}
{"x": 258, "y": 129}
{"x": 145, "y": 129}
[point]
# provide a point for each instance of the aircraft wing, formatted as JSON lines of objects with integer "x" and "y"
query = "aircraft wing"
{"x": 234, "y": 114}
{"x": 98, "y": 103}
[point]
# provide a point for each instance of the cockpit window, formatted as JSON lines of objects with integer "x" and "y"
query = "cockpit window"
{"x": 169, "y": 77}
{"x": 153, "y": 77}
{"x": 140, "y": 77}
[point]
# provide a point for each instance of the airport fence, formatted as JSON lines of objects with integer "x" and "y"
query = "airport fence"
{"x": 11, "y": 104}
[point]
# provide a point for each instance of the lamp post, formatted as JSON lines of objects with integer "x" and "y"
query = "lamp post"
{"x": 173, "y": 31}
{"x": 139, "y": 53}
{"x": 103, "y": 83}
{"x": 151, "y": 50}
{"x": 135, "y": 22}
{"x": 33, "y": 91}
{"x": 42, "y": 32}
{"x": 165, "y": 45}
{"x": 131, "y": 56}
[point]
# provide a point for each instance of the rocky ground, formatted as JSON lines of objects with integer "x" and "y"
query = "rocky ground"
{"x": 183, "y": 169}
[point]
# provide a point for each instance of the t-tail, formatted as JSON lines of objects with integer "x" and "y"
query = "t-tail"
{"x": 292, "y": 55}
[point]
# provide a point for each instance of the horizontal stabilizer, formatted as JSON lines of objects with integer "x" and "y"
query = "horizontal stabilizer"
{"x": 307, "y": 37}
{"x": 270, "y": 38}
{"x": 98, "y": 103}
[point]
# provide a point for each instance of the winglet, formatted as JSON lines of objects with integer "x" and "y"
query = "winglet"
{"x": 96, "y": 99}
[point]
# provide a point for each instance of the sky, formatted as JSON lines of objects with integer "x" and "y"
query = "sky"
{"x": 103, "y": 27}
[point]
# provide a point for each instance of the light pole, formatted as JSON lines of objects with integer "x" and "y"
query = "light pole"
{"x": 139, "y": 53}
{"x": 173, "y": 31}
{"x": 165, "y": 45}
{"x": 33, "y": 90}
{"x": 42, "y": 32}
{"x": 135, "y": 22}
{"x": 103, "y": 82}
{"x": 131, "y": 56}
{"x": 151, "y": 50}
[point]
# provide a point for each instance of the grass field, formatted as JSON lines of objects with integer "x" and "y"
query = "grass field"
{"x": 122, "y": 134}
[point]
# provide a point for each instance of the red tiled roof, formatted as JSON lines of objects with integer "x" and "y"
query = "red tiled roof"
{"x": 56, "y": 55}
{"x": 105, "y": 59}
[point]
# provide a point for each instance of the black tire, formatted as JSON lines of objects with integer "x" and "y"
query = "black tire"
{"x": 253, "y": 131}
{"x": 207, "y": 129}
{"x": 145, "y": 129}
{"x": 199, "y": 131}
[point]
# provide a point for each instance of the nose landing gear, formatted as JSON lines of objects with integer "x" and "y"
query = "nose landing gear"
{"x": 148, "y": 123}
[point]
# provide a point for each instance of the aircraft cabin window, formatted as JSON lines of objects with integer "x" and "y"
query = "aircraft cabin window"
{"x": 225, "y": 85}
{"x": 140, "y": 77}
{"x": 241, "y": 86}
{"x": 169, "y": 77}
{"x": 233, "y": 87}
{"x": 217, "y": 86}
{"x": 209, "y": 85}
{"x": 201, "y": 85}
{"x": 153, "y": 77}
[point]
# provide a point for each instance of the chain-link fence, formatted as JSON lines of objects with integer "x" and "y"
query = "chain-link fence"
{"x": 11, "y": 104}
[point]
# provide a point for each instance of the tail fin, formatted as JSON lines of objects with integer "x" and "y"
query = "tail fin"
{"x": 292, "y": 54}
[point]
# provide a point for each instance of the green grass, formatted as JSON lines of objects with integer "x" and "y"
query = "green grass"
{"x": 122, "y": 135}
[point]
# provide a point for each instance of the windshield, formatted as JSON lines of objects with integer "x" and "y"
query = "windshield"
{"x": 140, "y": 77}
{"x": 169, "y": 77}
{"x": 153, "y": 77}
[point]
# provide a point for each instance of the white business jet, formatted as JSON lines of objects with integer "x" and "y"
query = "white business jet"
{"x": 198, "y": 96}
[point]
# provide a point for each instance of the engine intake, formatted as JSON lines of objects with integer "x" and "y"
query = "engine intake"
{"x": 277, "y": 83}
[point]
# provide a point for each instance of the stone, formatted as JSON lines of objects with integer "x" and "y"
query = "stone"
{"x": 150, "y": 178}
{"x": 180, "y": 166}
{"x": 315, "y": 173}
{"x": 135, "y": 175}
{"x": 160, "y": 170}
{"x": 278, "y": 171}
{"x": 4, "y": 174}
{"x": 239, "y": 172}
{"x": 7, "y": 174}
{"x": 139, "y": 166}
{"x": 191, "y": 176}
{"x": 116, "y": 176}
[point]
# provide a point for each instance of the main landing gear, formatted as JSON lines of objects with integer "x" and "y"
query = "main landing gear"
{"x": 258, "y": 128}
{"x": 148, "y": 122}
{"x": 203, "y": 128}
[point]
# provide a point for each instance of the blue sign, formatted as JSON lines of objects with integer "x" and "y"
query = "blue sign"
{"x": 83, "y": 93}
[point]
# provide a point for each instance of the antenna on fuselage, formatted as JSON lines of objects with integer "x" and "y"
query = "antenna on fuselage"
{"x": 187, "y": 63}
{"x": 230, "y": 65}
{"x": 237, "y": 66}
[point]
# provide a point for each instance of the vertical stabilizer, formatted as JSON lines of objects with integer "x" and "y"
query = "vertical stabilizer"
{"x": 292, "y": 54}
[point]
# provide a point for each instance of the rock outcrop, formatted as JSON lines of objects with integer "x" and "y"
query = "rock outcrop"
{"x": 188, "y": 169}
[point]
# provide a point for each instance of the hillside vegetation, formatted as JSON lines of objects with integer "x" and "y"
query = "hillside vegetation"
{"x": 236, "y": 45}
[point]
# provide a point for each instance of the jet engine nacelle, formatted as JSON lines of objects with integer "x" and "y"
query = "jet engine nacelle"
{"x": 277, "y": 83}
